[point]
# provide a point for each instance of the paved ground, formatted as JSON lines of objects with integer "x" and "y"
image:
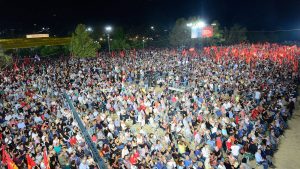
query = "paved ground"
{"x": 288, "y": 155}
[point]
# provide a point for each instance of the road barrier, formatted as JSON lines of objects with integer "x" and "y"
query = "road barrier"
{"x": 100, "y": 162}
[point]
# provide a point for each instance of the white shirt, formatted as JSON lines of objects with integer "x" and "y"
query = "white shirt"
{"x": 221, "y": 166}
{"x": 124, "y": 152}
{"x": 205, "y": 152}
{"x": 171, "y": 164}
{"x": 257, "y": 95}
{"x": 235, "y": 150}
{"x": 83, "y": 166}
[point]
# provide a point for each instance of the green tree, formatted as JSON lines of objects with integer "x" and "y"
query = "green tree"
{"x": 180, "y": 34}
{"x": 119, "y": 40}
{"x": 236, "y": 34}
{"x": 45, "y": 51}
{"x": 82, "y": 45}
{"x": 5, "y": 60}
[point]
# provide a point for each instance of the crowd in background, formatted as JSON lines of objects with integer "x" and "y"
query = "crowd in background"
{"x": 158, "y": 109}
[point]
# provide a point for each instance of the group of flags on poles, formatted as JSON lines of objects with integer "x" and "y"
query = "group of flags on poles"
{"x": 280, "y": 54}
{"x": 6, "y": 159}
{"x": 122, "y": 53}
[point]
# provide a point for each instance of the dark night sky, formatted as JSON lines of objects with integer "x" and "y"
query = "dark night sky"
{"x": 64, "y": 14}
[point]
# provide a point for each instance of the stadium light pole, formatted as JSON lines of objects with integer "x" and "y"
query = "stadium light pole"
{"x": 108, "y": 29}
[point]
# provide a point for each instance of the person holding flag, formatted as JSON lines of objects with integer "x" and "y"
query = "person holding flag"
{"x": 30, "y": 162}
{"x": 45, "y": 159}
{"x": 6, "y": 159}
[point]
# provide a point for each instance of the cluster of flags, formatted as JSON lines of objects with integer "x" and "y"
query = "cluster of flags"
{"x": 6, "y": 159}
{"x": 25, "y": 63}
{"x": 281, "y": 54}
{"x": 122, "y": 53}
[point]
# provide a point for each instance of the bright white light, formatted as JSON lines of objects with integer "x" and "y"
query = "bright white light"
{"x": 200, "y": 24}
{"x": 90, "y": 29}
{"x": 152, "y": 27}
{"x": 213, "y": 24}
{"x": 108, "y": 28}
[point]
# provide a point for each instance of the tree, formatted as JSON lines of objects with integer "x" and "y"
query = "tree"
{"x": 5, "y": 60}
{"x": 180, "y": 34}
{"x": 45, "y": 51}
{"x": 119, "y": 41}
{"x": 236, "y": 34}
{"x": 82, "y": 45}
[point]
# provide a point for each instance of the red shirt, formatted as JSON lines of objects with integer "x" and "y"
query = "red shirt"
{"x": 136, "y": 154}
{"x": 228, "y": 145}
{"x": 73, "y": 141}
{"x": 133, "y": 160}
{"x": 94, "y": 138}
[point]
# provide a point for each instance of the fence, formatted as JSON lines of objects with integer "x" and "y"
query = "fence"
{"x": 100, "y": 162}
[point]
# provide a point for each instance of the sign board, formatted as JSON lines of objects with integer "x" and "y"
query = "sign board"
{"x": 37, "y": 36}
{"x": 207, "y": 32}
{"x": 197, "y": 32}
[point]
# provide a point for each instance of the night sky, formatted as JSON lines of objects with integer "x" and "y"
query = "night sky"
{"x": 63, "y": 15}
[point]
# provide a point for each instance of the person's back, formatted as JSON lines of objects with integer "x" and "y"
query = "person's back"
{"x": 244, "y": 164}
{"x": 84, "y": 165}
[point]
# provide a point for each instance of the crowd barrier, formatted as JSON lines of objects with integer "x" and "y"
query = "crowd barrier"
{"x": 100, "y": 162}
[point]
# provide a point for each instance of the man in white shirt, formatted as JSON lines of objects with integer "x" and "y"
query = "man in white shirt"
{"x": 257, "y": 96}
{"x": 235, "y": 150}
{"x": 84, "y": 164}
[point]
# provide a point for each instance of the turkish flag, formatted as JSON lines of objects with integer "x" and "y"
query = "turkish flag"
{"x": 46, "y": 161}
{"x": 183, "y": 53}
{"x": 3, "y": 154}
{"x": 16, "y": 67}
{"x": 30, "y": 162}
{"x": 122, "y": 54}
{"x": 9, "y": 161}
{"x": 112, "y": 54}
{"x": 26, "y": 61}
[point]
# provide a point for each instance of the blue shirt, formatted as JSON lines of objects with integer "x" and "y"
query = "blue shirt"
{"x": 159, "y": 165}
{"x": 197, "y": 152}
{"x": 211, "y": 143}
{"x": 258, "y": 157}
{"x": 187, "y": 163}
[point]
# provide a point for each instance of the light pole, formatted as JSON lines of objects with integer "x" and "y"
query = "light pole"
{"x": 108, "y": 29}
{"x": 143, "y": 43}
{"x": 89, "y": 29}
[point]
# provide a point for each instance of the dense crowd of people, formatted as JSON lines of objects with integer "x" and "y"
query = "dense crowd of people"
{"x": 159, "y": 109}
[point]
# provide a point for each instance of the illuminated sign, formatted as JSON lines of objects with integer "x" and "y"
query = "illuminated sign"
{"x": 37, "y": 36}
{"x": 207, "y": 32}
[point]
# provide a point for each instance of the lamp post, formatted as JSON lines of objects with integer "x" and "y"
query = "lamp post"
{"x": 143, "y": 43}
{"x": 89, "y": 29}
{"x": 108, "y": 29}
